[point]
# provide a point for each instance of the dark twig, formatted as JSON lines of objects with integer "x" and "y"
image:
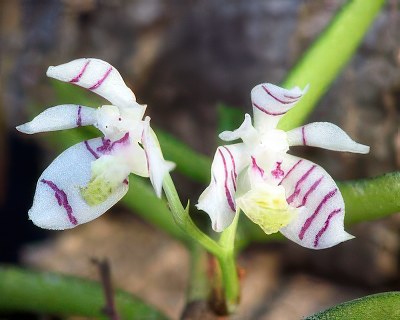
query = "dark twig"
{"x": 105, "y": 277}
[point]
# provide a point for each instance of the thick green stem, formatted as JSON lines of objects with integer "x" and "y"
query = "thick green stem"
{"x": 199, "y": 284}
{"x": 322, "y": 63}
{"x": 227, "y": 263}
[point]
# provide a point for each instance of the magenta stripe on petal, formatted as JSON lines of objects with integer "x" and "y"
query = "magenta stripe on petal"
{"x": 311, "y": 190}
{"x": 326, "y": 226}
{"x": 108, "y": 146}
{"x": 310, "y": 219}
{"x": 234, "y": 173}
{"x": 268, "y": 112}
{"x": 79, "y": 118}
{"x": 80, "y": 74}
{"x": 303, "y": 134}
{"x": 89, "y": 148}
{"x": 276, "y": 98}
{"x": 297, "y": 188}
{"x": 62, "y": 200}
{"x": 256, "y": 166}
{"x": 100, "y": 81}
{"x": 290, "y": 171}
{"x": 227, "y": 192}
{"x": 232, "y": 159}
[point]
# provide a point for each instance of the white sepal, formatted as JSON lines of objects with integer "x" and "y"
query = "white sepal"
{"x": 98, "y": 76}
{"x": 319, "y": 223}
{"x": 218, "y": 199}
{"x": 156, "y": 165}
{"x": 58, "y": 203}
{"x": 324, "y": 135}
{"x": 271, "y": 102}
{"x": 60, "y": 117}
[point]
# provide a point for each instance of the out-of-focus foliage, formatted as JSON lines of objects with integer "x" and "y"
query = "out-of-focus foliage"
{"x": 51, "y": 293}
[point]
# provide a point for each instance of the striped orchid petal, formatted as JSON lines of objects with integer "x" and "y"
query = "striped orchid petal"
{"x": 271, "y": 102}
{"x": 218, "y": 199}
{"x": 324, "y": 135}
{"x": 156, "y": 165}
{"x": 319, "y": 223}
{"x": 58, "y": 203}
{"x": 97, "y": 76}
{"x": 60, "y": 117}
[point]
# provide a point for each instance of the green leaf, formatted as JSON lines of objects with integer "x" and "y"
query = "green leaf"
{"x": 142, "y": 200}
{"x": 382, "y": 306}
{"x": 325, "y": 59}
{"x": 188, "y": 162}
{"x": 229, "y": 118}
{"x": 49, "y": 293}
{"x": 371, "y": 199}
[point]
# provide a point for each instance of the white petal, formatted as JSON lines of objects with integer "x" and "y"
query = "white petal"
{"x": 60, "y": 117}
{"x": 310, "y": 188}
{"x": 218, "y": 199}
{"x": 134, "y": 156}
{"x": 246, "y": 132}
{"x": 97, "y": 76}
{"x": 58, "y": 203}
{"x": 324, "y": 135}
{"x": 271, "y": 102}
{"x": 157, "y": 166}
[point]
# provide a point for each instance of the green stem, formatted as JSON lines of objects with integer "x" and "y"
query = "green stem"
{"x": 199, "y": 285}
{"x": 227, "y": 263}
{"x": 224, "y": 251}
{"x": 322, "y": 63}
{"x": 184, "y": 221}
{"x": 48, "y": 293}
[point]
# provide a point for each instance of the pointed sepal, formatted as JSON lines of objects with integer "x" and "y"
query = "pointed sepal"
{"x": 324, "y": 135}
{"x": 60, "y": 117}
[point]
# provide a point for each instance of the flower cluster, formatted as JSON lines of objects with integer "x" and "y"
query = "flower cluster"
{"x": 278, "y": 191}
{"x": 90, "y": 177}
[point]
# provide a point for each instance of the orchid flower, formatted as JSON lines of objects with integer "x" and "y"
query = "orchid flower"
{"x": 275, "y": 190}
{"x": 90, "y": 177}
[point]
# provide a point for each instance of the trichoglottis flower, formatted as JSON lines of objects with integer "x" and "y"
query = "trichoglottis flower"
{"x": 276, "y": 190}
{"x": 90, "y": 177}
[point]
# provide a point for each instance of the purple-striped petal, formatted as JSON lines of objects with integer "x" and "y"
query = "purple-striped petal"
{"x": 58, "y": 203}
{"x": 310, "y": 188}
{"x": 271, "y": 102}
{"x": 218, "y": 199}
{"x": 324, "y": 135}
{"x": 156, "y": 165}
{"x": 97, "y": 76}
{"x": 60, "y": 117}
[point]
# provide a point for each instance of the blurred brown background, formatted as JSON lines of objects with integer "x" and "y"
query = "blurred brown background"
{"x": 182, "y": 58}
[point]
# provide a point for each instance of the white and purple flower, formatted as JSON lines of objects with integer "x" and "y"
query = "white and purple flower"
{"x": 278, "y": 191}
{"x": 90, "y": 177}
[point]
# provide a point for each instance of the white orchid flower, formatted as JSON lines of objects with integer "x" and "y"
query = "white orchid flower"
{"x": 278, "y": 191}
{"x": 90, "y": 177}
